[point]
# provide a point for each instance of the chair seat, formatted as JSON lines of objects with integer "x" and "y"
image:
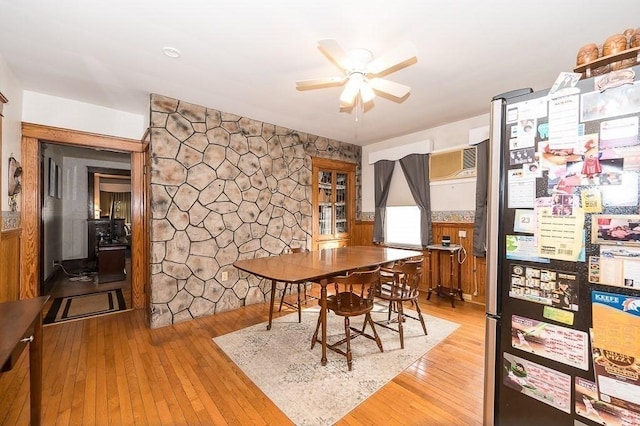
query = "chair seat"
{"x": 347, "y": 304}
{"x": 390, "y": 292}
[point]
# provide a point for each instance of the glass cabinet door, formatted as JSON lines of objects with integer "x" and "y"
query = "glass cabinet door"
{"x": 325, "y": 202}
{"x": 332, "y": 202}
{"x": 341, "y": 203}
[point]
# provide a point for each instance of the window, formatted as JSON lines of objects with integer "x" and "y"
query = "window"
{"x": 402, "y": 226}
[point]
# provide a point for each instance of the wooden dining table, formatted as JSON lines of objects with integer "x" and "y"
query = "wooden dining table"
{"x": 319, "y": 267}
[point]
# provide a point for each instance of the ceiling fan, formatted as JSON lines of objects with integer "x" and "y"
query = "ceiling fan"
{"x": 362, "y": 73}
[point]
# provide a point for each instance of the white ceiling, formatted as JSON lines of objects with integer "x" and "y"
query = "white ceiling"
{"x": 244, "y": 57}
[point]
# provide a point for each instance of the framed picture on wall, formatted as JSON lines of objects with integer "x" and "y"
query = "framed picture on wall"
{"x": 52, "y": 178}
{"x": 58, "y": 182}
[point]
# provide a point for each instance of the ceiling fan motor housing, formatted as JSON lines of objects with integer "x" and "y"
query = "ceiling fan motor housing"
{"x": 357, "y": 60}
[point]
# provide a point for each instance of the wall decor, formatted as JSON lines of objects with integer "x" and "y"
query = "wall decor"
{"x": 15, "y": 171}
{"x": 52, "y": 178}
{"x": 58, "y": 182}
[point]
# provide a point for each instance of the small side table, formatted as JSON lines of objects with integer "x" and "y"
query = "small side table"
{"x": 453, "y": 250}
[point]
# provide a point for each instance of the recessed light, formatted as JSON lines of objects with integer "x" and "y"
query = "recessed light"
{"x": 171, "y": 52}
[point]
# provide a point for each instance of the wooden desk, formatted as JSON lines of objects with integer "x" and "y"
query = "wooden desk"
{"x": 453, "y": 250}
{"x": 21, "y": 323}
{"x": 319, "y": 266}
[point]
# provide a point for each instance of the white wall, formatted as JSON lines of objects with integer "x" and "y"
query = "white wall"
{"x": 11, "y": 88}
{"x": 450, "y": 195}
{"x": 76, "y": 203}
{"x": 52, "y": 216}
{"x": 53, "y": 111}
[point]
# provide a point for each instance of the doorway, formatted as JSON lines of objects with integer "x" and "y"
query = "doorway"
{"x": 88, "y": 214}
{"x": 31, "y": 259}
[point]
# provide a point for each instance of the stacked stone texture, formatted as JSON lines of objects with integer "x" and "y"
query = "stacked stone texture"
{"x": 223, "y": 188}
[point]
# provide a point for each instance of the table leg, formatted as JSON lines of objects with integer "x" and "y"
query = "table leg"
{"x": 273, "y": 290}
{"x": 430, "y": 274}
{"x": 35, "y": 371}
{"x": 451, "y": 290}
{"x": 459, "y": 284}
{"x": 323, "y": 319}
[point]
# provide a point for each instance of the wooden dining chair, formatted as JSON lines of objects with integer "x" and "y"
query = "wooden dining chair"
{"x": 301, "y": 286}
{"x": 353, "y": 297}
{"x": 399, "y": 284}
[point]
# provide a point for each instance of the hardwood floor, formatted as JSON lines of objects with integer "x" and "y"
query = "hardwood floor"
{"x": 114, "y": 370}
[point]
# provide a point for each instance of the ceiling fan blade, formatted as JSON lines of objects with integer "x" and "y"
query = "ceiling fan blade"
{"x": 318, "y": 83}
{"x": 392, "y": 88}
{"x": 403, "y": 55}
{"x": 334, "y": 52}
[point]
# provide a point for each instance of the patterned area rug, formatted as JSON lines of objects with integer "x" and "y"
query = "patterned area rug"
{"x": 85, "y": 305}
{"x": 281, "y": 363}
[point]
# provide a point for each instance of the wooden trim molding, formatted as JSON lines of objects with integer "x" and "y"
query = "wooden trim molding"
{"x": 79, "y": 138}
{"x": 31, "y": 213}
{"x": 138, "y": 229}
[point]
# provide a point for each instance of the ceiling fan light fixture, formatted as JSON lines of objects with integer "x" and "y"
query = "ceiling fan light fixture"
{"x": 366, "y": 92}
{"x": 362, "y": 74}
{"x": 351, "y": 89}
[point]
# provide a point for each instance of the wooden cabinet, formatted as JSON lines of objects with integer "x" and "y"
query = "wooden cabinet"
{"x": 111, "y": 262}
{"x": 333, "y": 201}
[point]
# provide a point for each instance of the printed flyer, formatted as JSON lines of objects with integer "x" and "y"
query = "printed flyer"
{"x": 589, "y": 406}
{"x": 538, "y": 382}
{"x": 545, "y": 286}
{"x": 616, "y": 322}
{"x": 561, "y": 344}
{"x": 616, "y": 347}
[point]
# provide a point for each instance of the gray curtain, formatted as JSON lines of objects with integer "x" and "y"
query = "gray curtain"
{"x": 382, "y": 172}
{"x": 480, "y": 221}
{"x": 416, "y": 171}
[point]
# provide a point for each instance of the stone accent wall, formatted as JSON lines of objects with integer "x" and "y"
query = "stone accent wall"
{"x": 223, "y": 188}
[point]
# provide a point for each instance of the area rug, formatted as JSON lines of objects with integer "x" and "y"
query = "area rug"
{"x": 281, "y": 363}
{"x": 85, "y": 305}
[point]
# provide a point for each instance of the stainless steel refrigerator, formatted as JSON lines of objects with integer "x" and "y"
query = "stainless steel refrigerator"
{"x": 563, "y": 254}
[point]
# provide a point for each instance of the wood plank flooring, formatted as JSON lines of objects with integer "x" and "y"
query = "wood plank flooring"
{"x": 113, "y": 370}
{"x": 65, "y": 285}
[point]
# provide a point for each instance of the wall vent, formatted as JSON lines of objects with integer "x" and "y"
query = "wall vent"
{"x": 456, "y": 164}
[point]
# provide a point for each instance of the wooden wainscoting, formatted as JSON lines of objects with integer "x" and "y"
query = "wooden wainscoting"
{"x": 10, "y": 265}
{"x": 473, "y": 269}
{"x": 362, "y": 233}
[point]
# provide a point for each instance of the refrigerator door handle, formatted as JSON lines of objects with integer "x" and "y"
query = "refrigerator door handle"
{"x": 490, "y": 373}
{"x": 493, "y": 206}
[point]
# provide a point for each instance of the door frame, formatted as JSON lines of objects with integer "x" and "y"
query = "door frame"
{"x": 32, "y": 136}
